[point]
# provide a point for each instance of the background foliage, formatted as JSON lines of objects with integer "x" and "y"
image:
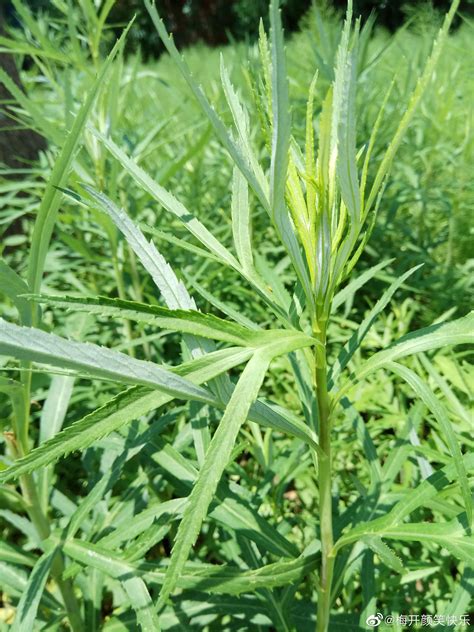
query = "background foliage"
{"x": 215, "y": 21}
{"x": 425, "y": 218}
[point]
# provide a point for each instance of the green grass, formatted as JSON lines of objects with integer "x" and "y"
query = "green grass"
{"x": 260, "y": 419}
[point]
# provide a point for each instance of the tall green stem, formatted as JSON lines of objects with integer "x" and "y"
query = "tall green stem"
{"x": 41, "y": 523}
{"x": 19, "y": 446}
{"x": 324, "y": 479}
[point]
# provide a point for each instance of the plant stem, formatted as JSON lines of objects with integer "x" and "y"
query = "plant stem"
{"x": 324, "y": 479}
{"x": 18, "y": 444}
{"x": 41, "y": 524}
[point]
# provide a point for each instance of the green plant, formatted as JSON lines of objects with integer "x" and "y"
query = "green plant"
{"x": 321, "y": 208}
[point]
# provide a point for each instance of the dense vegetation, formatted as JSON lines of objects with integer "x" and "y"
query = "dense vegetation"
{"x": 216, "y": 22}
{"x": 265, "y": 462}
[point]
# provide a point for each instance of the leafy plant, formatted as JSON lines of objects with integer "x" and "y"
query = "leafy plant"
{"x": 321, "y": 204}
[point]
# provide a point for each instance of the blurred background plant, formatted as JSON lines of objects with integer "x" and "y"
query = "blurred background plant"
{"x": 216, "y": 22}
{"x": 426, "y": 210}
{"x": 426, "y": 217}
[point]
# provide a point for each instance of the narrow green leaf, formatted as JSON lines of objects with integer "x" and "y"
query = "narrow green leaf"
{"x": 462, "y": 595}
{"x": 125, "y": 407}
{"x": 351, "y": 288}
{"x": 26, "y": 343}
{"x": 365, "y": 440}
{"x": 205, "y": 577}
{"x": 28, "y": 20}
{"x": 369, "y": 591}
{"x": 13, "y": 578}
{"x": 460, "y": 331}
{"x": 185, "y": 321}
{"x": 358, "y": 336}
{"x": 215, "y": 462}
{"x": 13, "y": 286}
{"x": 218, "y": 126}
{"x": 343, "y": 124}
{"x": 411, "y": 500}
{"x": 35, "y": 113}
{"x": 157, "y": 514}
{"x": 161, "y": 195}
{"x": 281, "y": 115}
{"x": 55, "y": 406}
{"x": 130, "y": 447}
{"x": 13, "y": 46}
{"x": 181, "y": 243}
{"x": 385, "y": 553}
{"x": 51, "y": 421}
{"x": 241, "y": 123}
{"x": 409, "y": 111}
{"x": 233, "y": 508}
{"x": 50, "y": 202}
{"x": 28, "y": 606}
{"x": 453, "y": 536}
{"x": 370, "y": 147}
{"x": 113, "y": 566}
{"x": 233, "y": 581}
{"x": 281, "y": 129}
{"x": 241, "y": 228}
{"x": 173, "y": 291}
{"x": 22, "y": 524}
{"x": 16, "y": 555}
{"x": 447, "y": 391}
{"x": 221, "y": 306}
{"x": 438, "y": 410}
{"x": 310, "y": 162}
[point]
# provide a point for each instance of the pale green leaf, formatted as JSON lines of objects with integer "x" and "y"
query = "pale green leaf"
{"x": 438, "y": 410}
{"x": 113, "y": 566}
{"x": 241, "y": 123}
{"x": 40, "y": 122}
{"x": 358, "y": 336}
{"x": 411, "y": 500}
{"x": 13, "y": 286}
{"x": 215, "y": 462}
{"x": 51, "y": 198}
{"x": 385, "y": 553}
{"x": 16, "y": 555}
{"x": 8, "y": 45}
{"x": 343, "y": 124}
{"x": 218, "y": 126}
{"x": 34, "y": 345}
{"x": 120, "y": 410}
{"x": 205, "y": 577}
{"x": 280, "y": 148}
{"x": 185, "y": 321}
{"x": 241, "y": 228}
{"x": 161, "y": 195}
{"x": 409, "y": 111}
{"x": 55, "y": 406}
{"x": 28, "y": 606}
{"x": 351, "y": 288}
{"x": 51, "y": 421}
{"x": 457, "y": 332}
